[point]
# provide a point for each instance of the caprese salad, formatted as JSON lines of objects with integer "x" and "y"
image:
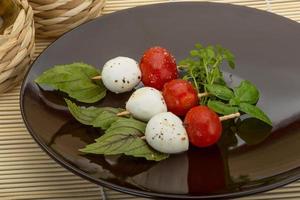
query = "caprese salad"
{"x": 166, "y": 114}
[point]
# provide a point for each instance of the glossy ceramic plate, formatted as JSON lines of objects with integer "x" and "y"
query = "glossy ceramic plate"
{"x": 267, "y": 52}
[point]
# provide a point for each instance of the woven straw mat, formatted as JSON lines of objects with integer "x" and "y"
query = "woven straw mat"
{"x": 26, "y": 172}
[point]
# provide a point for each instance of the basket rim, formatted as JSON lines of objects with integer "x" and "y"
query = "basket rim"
{"x": 27, "y": 12}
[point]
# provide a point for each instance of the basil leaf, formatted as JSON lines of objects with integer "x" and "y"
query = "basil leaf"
{"x": 124, "y": 138}
{"x": 234, "y": 101}
{"x": 128, "y": 122}
{"x": 122, "y": 135}
{"x": 75, "y": 80}
{"x": 221, "y": 108}
{"x": 246, "y": 92}
{"x": 220, "y": 91}
{"x": 253, "y": 131}
{"x": 255, "y": 112}
{"x": 96, "y": 117}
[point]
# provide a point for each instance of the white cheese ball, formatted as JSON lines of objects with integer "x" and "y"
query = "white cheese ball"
{"x": 121, "y": 74}
{"x": 146, "y": 102}
{"x": 165, "y": 133}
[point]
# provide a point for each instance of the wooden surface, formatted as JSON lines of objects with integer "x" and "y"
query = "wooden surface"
{"x": 26, "y": 172}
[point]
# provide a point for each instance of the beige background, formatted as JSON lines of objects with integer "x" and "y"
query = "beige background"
{"x": 26, "y": 172}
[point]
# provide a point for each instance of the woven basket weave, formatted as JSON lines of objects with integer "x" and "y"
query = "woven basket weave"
{"x": 16, "y": 47}
{"x": 55, "y": 17}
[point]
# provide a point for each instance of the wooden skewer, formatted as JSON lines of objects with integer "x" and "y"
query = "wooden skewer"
{"x": 123, "y": 113}
{"x": 231, "y": 116}
{"x": 143, "y": 137}
{"x": 99, "y": 77}
{"x": 96, "y": 78}
{"x": 204, "y": 94}
{"x": 222, "y": 118}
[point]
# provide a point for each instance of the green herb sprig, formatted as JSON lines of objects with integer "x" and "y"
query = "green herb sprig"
{"x": 203, "y": 68}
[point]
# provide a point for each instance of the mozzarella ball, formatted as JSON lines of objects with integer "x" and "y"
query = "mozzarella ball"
{"x": 165, "y": 133}
{"x": 146, "y": 102}
{"x": 121, "y": 74}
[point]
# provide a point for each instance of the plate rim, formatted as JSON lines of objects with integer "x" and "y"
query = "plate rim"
{"x": 62, "y": 162}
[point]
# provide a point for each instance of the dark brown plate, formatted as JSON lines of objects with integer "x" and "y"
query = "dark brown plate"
{"x": 267, "y": 51}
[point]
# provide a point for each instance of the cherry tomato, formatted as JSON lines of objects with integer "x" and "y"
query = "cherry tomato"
{"x": 203, "y": 126}
{"x": 158, "y": 66}
{"x": 180, "y": 96}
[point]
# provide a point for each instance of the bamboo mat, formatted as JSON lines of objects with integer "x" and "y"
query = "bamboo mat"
{"x": 26, "y": 172}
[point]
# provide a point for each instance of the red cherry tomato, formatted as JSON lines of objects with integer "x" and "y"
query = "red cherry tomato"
{"x": 158, "y": 66}
{"x": 203, "y": 126}
{"x": 180, "y": 96}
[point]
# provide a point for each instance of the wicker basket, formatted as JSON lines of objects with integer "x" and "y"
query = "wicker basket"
{"x": 16, "y": 47}
{"x": 55, "y": 17}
